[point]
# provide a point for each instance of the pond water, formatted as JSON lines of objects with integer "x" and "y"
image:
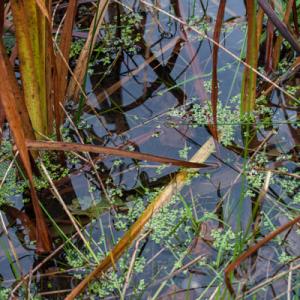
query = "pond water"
{"x": 148, "y": 92}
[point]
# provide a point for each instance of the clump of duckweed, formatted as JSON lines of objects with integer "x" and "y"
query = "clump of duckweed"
{"x": 255, "y": 179}
{"x": 136, "y": 207}
{"x": 4, "y": 293}
{"x": 200, "y": 115}
{"x": 164, "y": 222}
{"x": 74, "y": 259}
{"x": 112, "y": 43}
{"x": 226, "y": 118}
{"x": 12, "y": 185}
{"x": 113, "y": 281}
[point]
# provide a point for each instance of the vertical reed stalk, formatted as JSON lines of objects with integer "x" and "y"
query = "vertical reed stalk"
{"x": 215, "y": 89}
{"x": 248, "y": 94}
{"x": 269, "y": 45}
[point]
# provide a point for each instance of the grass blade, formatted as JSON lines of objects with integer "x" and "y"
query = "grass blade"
{"x": 61, "y": 146}
{"x": 215, "y": 89}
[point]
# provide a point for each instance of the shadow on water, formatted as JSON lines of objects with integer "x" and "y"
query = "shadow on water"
{"x": 143, "y": 100}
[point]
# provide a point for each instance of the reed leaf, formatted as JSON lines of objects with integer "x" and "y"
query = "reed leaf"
{"x": 61, "y": 146}
{"x": 7, "y": 97}
{"x": 269, "y": 47}
{"x": 43, "y": 70}
{"x": 62, "y": 68}
{"x": 36, "y": 28}
{"x": 259, "y": 26}
{"x": 28, "y": 66}
{"x": 82, "y": 63}
{"x": 43, "y": 8}
{"x": 215, "y": 87}
{"x": 50, "y": 74}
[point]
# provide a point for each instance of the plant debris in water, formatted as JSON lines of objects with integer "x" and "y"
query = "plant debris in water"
{"x": 147, "y": 88}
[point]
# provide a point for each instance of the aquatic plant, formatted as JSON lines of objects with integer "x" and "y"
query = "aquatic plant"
{"x": 117, "y": 77}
